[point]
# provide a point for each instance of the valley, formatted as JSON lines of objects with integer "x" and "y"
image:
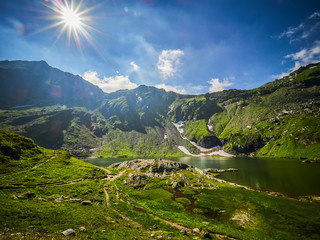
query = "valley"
{"x": 278, "y": 119}
{"x": 46, "y": 192}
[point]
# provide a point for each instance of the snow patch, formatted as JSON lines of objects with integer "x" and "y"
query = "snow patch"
{"x": 203, "y": 151}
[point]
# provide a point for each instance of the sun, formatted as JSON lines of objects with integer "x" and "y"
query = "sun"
{"x": 70, "y": 17}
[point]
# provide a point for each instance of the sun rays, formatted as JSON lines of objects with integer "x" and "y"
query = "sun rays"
{"x": 69, "y": 17}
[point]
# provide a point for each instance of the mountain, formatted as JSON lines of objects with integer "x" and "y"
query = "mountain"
{"x": 49, "y": 194}
{"x": 37, "y": 84}
{"x": 279, "y": 119}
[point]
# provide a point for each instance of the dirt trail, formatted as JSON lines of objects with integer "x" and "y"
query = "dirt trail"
{"x": 7, "y": 186}
{"x": 40, "y": 164}
{"x": 173, "y": 224}
{"x": 111, "y": 179}
{"x": 104, "y": 169}
{"x": 106, "y": 200}
{"x": 36, "y": 166}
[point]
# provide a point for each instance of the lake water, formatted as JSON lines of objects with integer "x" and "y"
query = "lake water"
{"x": 288, "y": 176}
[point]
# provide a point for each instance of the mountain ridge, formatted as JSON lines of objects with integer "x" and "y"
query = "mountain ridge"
{"x": 36, "y": 83}
{"x": 265, "y": 121}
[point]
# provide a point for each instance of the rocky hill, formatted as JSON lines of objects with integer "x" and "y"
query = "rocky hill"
{"x": 280, "y": 118}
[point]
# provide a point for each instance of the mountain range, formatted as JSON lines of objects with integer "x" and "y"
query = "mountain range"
{"x": 59, "y": 110}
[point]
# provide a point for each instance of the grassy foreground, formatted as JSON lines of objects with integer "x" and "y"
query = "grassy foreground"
{"x": 44, "y": 192}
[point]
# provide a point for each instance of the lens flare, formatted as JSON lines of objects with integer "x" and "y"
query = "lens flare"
{"x": 69, "y": 17}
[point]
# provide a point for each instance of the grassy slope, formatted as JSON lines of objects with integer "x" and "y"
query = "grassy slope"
{"x": 51, "y": 210}
{"x": 131, "y": 144}
{"x": 278, "y": 119}
{"x": 196, "y": 130}
{"x": 186, "y": 108}
{"x": 212, "y": 210}
{"x": 56, "y": 127}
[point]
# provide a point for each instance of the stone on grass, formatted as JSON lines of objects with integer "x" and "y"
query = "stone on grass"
{"x": 30, "y": 194}
{"x": 184, "y": 232}
{"x": 177, "y": 185}
{"x": 86, "y": 202}
{"x": 69, "y": 232}
{"x": 206, "y": 234}
{"x": 196, "y": 230}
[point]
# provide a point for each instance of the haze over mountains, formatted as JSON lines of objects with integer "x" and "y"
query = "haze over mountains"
{"x": 62, "y": 111}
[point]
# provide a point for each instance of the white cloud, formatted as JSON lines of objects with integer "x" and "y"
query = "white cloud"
{"x": 109, "y": 84}
{"x": 169, "y": 62}
{"x": 291, "y": 31}
{"x": 217, "y": 86}
{"x": 315, "y": 15}
{"x": 281, "y": 75}
{"x": 308, "y": 28}
{"x": 197, "y": 88}
{"x": 135, "y": 67}
{"x": 168, "y": 88}
{"x": 301, "y": 58}
{"x": 305, "y": 56}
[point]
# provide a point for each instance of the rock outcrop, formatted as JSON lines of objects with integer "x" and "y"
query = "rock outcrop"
{"x": 159, "y": 168}
{"x": 151, "y": 165}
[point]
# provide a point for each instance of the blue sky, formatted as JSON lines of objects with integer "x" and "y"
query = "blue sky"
{"x": 189, "y": 46}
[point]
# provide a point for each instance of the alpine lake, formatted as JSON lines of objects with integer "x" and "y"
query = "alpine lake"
{"x": 290, "y": 177}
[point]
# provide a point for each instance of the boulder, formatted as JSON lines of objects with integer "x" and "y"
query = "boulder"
{"x": 69, "y": 232}
{"x": 177, "y": 184}
{"x": 136, "y": 181}
{"x": 82, "y": 229}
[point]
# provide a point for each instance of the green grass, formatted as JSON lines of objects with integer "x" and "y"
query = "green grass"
{"x": 270, "y": 217}
{"x": 196, "y": 130}
{"x": 134, "y": 144}
{"x": 135, "y": 214}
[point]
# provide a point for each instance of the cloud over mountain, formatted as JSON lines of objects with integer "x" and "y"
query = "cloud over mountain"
{"x": 109, "y": 84}
{"x": 168, "y": 88}
{"x": 217, "y": 85}
{"x": 305, "y": 56}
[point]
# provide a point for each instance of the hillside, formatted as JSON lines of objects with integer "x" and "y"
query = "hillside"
{"x": 36, "y": 84}
{"x": 46, "y": 194}
{"x": 279, "y": 119}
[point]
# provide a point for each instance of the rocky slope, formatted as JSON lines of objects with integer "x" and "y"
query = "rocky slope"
{"x": 278, "y": 119}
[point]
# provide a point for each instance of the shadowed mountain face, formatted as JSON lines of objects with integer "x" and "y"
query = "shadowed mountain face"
{"x": 38, "y": 84}
{"x": 136, "y": 109}
{"x": 280, "y": 118}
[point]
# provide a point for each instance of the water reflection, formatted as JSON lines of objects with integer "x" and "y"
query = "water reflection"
{"x": 288, "y": 176}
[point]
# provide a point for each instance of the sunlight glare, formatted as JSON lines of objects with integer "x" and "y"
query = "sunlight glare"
{"x": 70, "y": 18}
